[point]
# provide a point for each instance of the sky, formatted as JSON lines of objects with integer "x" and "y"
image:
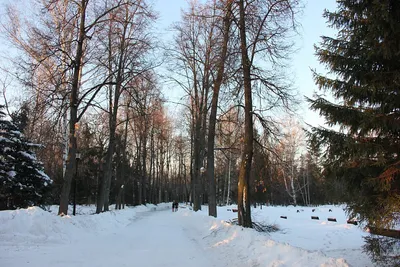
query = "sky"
{"x": 313, "y": 25}
{"x": 151, "y": 236}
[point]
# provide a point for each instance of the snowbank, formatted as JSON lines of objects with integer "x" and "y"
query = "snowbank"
{"x": 252, "y": 248}
{"x": 35, "y": 225}
{"x": 302, "y": 241}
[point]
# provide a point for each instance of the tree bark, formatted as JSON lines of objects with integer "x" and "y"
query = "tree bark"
{"x": 244, "y": 212}
{"x": 196, "y": 144}
{"x": 143, "y": 179}
{"x": 73, "y": 106}
{"x": 196, "y": 165}
{"x": 212, "y": 202}
{"x": 105, "y": 191}
{"x": 139, "y": 170}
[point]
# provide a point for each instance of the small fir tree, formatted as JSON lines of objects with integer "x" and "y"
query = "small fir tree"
{"x": 20, "y": 118}
{"x": 23, "y": 182}
{"x": 365, "y": 60}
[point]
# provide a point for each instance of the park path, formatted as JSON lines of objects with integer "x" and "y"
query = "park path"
{"x": 152, "y": 239}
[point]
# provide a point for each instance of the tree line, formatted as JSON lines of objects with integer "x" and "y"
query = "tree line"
{"x": 90, "y": 70}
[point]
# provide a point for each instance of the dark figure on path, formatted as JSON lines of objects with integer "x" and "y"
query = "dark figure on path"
{"x": 174, "y": 206}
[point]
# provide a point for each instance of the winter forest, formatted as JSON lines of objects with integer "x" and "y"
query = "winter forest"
{"x": 88, "y": 117}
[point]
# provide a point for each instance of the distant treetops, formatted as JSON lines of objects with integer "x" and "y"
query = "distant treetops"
{"x": 23, "y": 182}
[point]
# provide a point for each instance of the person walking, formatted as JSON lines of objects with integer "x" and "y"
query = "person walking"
{"x": 174, "y": 206}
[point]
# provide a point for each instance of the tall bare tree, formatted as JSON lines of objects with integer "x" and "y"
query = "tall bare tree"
{"x": 60, "y": 46}
{"x": 83, "y": 33}
{"x": 264, "y": 26}
{"x": 226, "y": 24}
{"x": 192, "y": 54}
{"x": 244, "y": 214}
{"x": 128, "y": 43}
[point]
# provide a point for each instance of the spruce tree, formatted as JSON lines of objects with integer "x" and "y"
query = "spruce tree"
{"x": 23, "y": 182}
{"x": 364, "y": 60}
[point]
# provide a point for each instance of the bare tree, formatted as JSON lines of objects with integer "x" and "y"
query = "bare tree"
{"x": 244, "y": 216}
{"x": 194, "y": 58}
{"x": 227, "y": 20}
{"x": 263, "y": 28}
{"x": 127, "y": 25}
{"x": 60, "y": 48}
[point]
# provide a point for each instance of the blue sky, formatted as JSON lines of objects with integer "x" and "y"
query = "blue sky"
{"x": 313, "y": 26}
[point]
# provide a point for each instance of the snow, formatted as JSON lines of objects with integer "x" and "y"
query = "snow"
{"x": 15, "y": 132}
{"x": 11, "y": 174}
{"x": 27, "y": 155}
{"x": 334, "y": 239}
{"x": 45, "y": 177}
{"x": 3, "y": 139}
{"x": 154, "y": 236}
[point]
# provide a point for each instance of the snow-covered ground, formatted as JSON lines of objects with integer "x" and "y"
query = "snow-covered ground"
{"x": 154, "y": 236}
{"x": 333, "y": 239}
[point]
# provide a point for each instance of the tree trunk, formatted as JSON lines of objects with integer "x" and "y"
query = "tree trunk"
{"x": 143, "y": 179}
{"x": 73, "y": 106}
{"x": 196, "y": 165}
{"x": 244, "y": 212}
{"x": 191, "y": 192}
{"x": 123, "y": 162}
{"x": 139, "y": 170}
{"x": 113, "y": 126}
{"x": 212, "y": 202}
{"x": 151, "y": 176}
{"x": 294, "y": 193}
{"x": 229, "y": 179}
{"x": 103, "y": 204}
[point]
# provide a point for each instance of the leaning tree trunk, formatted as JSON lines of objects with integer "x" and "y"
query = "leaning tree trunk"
{"x": 244, "y": 213}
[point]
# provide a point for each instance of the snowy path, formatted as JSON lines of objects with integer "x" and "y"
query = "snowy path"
{"x": 147, "y": 241}
{"x": 152, "y": 236}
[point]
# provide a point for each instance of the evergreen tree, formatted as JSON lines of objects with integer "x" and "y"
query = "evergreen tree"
{"x": 365, "y": 60}
{"x": 20, "y": 117}
{"x": 22, "y": 180}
